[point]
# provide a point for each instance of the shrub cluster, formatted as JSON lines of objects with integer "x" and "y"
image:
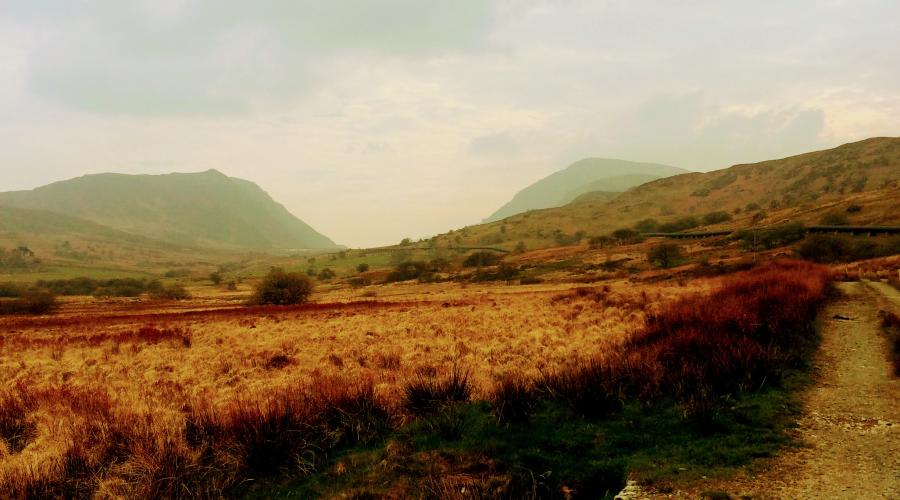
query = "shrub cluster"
{"x": 282, "y": 288}
{"x": 174, "y": 291}
{"x": 772, "y": 237}
{"x": 31, "y": 301}
{"x": 665, "y": 255}
{"x": 19, "y": 258}
{"x": 831, "y": 248}
{"x": 482, "y": 258}
{"x": 119, "y": 287}
{"x": 716, "y": 218}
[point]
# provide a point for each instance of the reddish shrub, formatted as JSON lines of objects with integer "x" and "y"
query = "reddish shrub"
{"x": 741, "y": 335}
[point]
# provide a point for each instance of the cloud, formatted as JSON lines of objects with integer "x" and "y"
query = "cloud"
{"x": 691, "y": 131}
{"x": 227, "y": 56}
{"x": 494, "y": 144}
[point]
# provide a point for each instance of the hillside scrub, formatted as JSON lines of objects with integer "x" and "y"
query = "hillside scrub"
{"x": 716, "y": 218}
{"x": 665, "y": 255}
{"x": 280, "y": 288}
{"x": 482, "y": 258}
{"x": 834, "y": 248}
{"x": 118, "y": 287}
{"x": 34, "y": 301}
{"x": 771, "y": 237}
{"x": 18, "y": 259}
{"x": 174, "y": 291}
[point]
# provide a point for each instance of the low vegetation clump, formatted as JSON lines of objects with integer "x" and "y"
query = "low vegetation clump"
{"x": 833, "y": 248}
{"x": 35, "y": 301}
{"x": 282, "y": 288}
{"x": 20, "y": 258}
{"x": 680, "y": 224}
{"x": 626, "y": 236}
{"x": 428, "y": 394}
{"x": 118, "y": 287}
{"x": 482, "y": 258}
{"x": 716, "y": 218}
{"x": 771, "y": 237}
{"x": 665, "y": 255}
{"x": 174, "y": 291}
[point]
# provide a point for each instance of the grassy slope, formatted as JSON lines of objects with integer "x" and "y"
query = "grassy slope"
{"x": 202, "y": 209}
{"x": 802, "y": 187}
{"x": 70, "y": 247}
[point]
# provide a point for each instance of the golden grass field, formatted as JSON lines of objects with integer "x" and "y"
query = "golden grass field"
{"x": 158, "y": 358}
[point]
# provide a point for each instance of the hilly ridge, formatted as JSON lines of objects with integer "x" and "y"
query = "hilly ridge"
{"x": 205, "y": 209}
{"x": 803, "y": 188}
{"x": 590, "y": 174}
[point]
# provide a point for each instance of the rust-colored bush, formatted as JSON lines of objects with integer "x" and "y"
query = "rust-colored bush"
{"x": 738, "y": 337}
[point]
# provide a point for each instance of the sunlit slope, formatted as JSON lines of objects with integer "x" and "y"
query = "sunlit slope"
{"x": 591, "y": 174}
{"x": 803, "y": 188}
{"x": 201, "y": 209}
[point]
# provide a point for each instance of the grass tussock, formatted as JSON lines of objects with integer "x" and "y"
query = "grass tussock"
{"x": 427, "y": 394}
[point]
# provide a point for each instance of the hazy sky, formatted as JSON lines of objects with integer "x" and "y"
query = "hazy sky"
{"x": 378, "y": 120}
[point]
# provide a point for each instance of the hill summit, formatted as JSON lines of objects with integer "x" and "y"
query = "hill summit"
{"x": 206, "y": 209}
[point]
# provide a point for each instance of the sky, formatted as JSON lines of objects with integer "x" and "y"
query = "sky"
{"x": 378, "y": 120}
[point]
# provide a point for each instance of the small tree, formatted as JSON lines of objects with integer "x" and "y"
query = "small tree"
{"x": 362, "y": 268}
{"x": 215, "y": 277}
{"x": 282, "y": 288}
{"x": 326, "y": 274}
{"x": 716, "y": 217}
{"x": 665, "y": 255}
{"x": 507, "y": 272}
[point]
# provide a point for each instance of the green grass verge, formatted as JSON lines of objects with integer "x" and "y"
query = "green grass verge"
{"x": 556, "y": 452}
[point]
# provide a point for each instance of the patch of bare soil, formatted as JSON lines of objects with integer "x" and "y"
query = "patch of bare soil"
{"x": 851, "y": 419}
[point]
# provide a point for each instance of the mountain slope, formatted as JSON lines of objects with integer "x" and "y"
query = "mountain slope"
{"x": 199, "y": 209}
{"x": 591, "y": 174}
{"x": 803, "y": 188}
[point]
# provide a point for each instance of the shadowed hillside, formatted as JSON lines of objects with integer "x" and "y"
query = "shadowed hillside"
{"x": 591, "y": 174}
{"x": 859, "y": 182}
{"x": 199, "y": 209}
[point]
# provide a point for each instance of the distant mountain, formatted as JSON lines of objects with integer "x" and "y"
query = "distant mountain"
{"x": 196, "y": 209}
{"x": 860, "y": 181}
{"x": 591, "y": 174}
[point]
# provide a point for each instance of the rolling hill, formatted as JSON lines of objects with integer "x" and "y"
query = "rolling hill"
{"x": 806, "y": 187}
{"x": 590, "y": 174}
{"x": 206, "y": 209}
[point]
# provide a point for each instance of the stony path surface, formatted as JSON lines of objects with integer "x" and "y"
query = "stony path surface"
{"x": 851, "y": 419}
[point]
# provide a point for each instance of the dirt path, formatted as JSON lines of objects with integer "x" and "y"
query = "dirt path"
{"x": 851, "y": 422}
